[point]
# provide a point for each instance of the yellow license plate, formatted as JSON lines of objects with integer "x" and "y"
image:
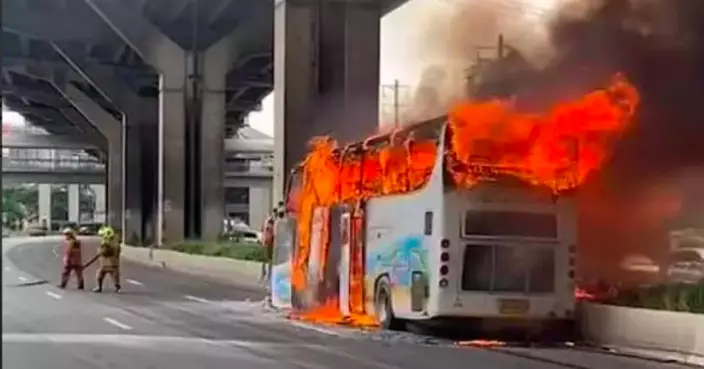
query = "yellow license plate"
{"x": 513, "y": 306}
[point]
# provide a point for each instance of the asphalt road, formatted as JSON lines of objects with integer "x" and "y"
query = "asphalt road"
{"x": 167, "y": 320}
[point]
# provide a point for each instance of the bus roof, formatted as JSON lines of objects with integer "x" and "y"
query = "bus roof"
{"x": 377, "y": 140}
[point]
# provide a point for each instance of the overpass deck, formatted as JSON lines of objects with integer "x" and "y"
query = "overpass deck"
{"x": 63, "y": 171}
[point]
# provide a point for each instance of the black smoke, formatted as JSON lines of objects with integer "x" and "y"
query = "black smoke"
{"x": 659, "y": 46}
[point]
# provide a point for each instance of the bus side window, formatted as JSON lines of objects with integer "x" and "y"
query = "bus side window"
{"x": 428, "y": 223}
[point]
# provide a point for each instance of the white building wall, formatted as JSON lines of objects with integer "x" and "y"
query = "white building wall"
{"x": 259, "y": 203}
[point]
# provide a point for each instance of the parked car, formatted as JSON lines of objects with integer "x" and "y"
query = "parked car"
{"x": 89, "y": 229}
{"x": 686, "y": 266}
{"x": 37, "y": 231}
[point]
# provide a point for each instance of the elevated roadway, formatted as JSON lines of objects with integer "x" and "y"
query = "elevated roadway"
{"x": 124, "y": 74}
{"x": 17, "y": 171}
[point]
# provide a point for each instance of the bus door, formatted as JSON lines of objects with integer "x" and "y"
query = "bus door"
{"x": 330, "y": 281}
{"x": 351, "y": 266}
{"x": 284, "y": 244}
{"x": 357, "y": 259}
{"x": 316, "y": 258}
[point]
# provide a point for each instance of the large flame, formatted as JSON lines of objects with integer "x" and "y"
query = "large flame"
{"x": 557, "y": 149}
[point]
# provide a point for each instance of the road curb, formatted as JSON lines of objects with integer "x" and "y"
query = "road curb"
{"x": 230, "y": 271}
{"x": 659, "y": 334}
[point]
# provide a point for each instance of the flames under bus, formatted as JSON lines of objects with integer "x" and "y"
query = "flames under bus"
{"x": 502, "y": 251}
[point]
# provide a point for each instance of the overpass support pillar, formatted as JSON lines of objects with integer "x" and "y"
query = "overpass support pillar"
{"x": 326, "y": 77}
{"x": 111, "y": 128}
{"x": 191, "y": 134}
{"x": 99, "y": 211}
{"x": 44, "y": 193}
{"x": 216, "y": 63}
{"x": 74, "y": 203}
{"x": 171, "y": 182}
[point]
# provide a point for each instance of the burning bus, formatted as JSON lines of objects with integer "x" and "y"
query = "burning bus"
{"x": 465, "y": 216}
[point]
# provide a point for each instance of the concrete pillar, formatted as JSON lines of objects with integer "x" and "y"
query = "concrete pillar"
{"x": 183, "y": 166}
{"x": 99, "y": 211}
{"x": 133, "y": 196}
{"x": 259, "y": 205}
{"x": 327, "y": 84}
{"x": 112, "y": 129}
{"x": 216, "y": 63}
{"x": 74, "y": 203}
{"x": 44, "y": 193}
{"x": 172, "y": 150}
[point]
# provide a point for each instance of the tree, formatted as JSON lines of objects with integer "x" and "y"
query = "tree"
{"x": 19, "y": 203}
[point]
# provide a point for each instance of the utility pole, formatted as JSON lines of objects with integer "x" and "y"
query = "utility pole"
{"x": 393, "y": 92}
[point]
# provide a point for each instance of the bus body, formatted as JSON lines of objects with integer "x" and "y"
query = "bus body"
{"x": 499, "y": 249}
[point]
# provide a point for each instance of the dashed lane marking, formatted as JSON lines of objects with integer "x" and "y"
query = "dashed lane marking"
{"x": 117, "y": 323}
{"x": 23, "y": 279}
{"x": 194, "y": 298}
{"x": 313, "y": 327}
{"x": 135, "y": 282}
{"x": 7, "y": 269}
{"x": 54, "y": 295}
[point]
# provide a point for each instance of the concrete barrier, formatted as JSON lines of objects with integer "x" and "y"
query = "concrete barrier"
{"x": 230, "y": 271}
{"x": 662, "y": 334}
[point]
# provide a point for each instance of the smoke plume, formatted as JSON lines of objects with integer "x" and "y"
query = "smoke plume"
{"x": 648, "y": 188}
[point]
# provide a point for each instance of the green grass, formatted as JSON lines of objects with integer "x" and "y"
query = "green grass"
{"x": 234, "y": 250}
{"x": 678, "y": 297}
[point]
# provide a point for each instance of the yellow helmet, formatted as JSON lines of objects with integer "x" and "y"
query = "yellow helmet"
{"x": 106, "y": 232}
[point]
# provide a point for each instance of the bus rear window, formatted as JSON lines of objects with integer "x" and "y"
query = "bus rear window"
{"x": 510, "y": 224}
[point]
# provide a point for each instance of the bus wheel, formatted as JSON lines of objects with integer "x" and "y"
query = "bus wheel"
{"x": 383, "y": 308}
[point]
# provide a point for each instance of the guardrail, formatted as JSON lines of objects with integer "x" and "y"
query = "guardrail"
{"x": 675, "y": 335}
{"x": 51, "y": 164}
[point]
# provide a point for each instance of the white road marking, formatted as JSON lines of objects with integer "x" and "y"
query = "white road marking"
{"x": 7, "y": 269}
{"x": 23, "y": 279}
{"x": 135, "y": 282}
{"x": 316, "y": 328}
{"x": 137, "y": 341}
{"x": 194, "y": 298}
{"x": 54, "y": 295}
{"x": 117, "y": 323}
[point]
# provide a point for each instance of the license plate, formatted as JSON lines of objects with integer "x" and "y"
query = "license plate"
{"x": 513, "y": 306}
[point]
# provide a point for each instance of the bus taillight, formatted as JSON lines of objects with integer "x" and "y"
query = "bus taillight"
{"x": 445, "y": 243}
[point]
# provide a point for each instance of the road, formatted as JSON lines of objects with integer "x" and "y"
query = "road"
{"x": 167, "y": 320}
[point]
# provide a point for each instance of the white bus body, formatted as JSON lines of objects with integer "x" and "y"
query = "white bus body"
{"x": 495, "y": 250}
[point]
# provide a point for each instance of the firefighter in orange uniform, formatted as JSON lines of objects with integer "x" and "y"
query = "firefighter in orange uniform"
{"x": 73, "y": 259}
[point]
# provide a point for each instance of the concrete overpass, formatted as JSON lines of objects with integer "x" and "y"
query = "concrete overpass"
{"x": 158, "y": 84}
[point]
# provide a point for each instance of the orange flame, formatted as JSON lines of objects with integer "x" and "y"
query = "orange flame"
{"x": 557, "y": 150}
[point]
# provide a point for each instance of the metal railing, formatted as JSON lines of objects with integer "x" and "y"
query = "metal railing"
{"x": 62, "y": 164}
{"x": 83, "y": 164}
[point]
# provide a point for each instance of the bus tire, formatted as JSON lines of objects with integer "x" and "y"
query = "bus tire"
{"x": 383, "y": 308}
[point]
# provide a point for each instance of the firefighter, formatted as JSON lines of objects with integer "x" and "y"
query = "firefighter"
{"x": 73, "y": 259}
{"x": 267, "y": 243}
{"x": 109, "y": 254}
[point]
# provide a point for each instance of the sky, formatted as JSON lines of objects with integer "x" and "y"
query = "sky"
{"x": 12, "y": 118}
